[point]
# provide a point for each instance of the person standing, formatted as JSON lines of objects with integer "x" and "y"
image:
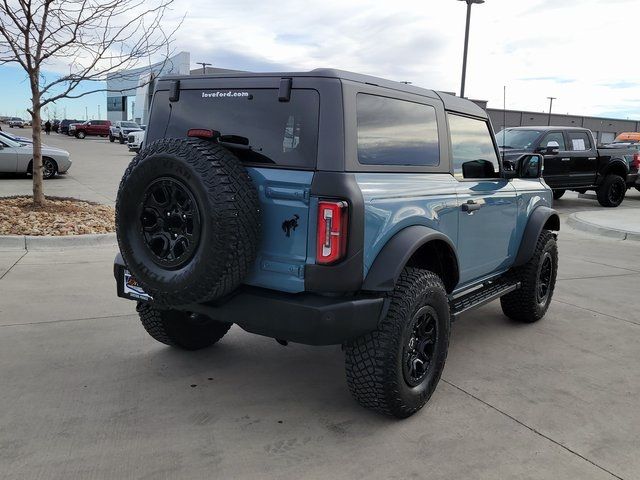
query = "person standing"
{"x": 47, "y": 127}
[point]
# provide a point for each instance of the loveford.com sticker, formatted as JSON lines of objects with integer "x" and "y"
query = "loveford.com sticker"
{"x": 223, "y": 94}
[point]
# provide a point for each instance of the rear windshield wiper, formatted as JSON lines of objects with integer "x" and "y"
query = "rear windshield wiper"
{"x": 243, "y": 148}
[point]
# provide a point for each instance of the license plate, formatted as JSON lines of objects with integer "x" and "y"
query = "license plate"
{"x": 132, "y": 289}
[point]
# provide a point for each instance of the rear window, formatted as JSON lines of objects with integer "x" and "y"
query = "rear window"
{"x": 252, "y": 123}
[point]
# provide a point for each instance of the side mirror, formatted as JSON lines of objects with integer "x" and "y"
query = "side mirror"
{"x": 531, "y": 166}
{"x": 552, "y": 148}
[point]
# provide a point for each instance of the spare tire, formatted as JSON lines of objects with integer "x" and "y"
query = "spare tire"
{"x": 187, "y": 221}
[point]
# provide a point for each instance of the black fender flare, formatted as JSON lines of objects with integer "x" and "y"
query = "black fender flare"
{"x": 615, "y": 164}
{"x": 540, "y": 217}
{"x": 393, "y": 257}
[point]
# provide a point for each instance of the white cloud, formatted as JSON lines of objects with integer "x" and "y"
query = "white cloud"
{"x": 574, "y": 50}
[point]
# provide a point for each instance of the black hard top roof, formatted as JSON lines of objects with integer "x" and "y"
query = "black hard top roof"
{"x": 451, "y": 102}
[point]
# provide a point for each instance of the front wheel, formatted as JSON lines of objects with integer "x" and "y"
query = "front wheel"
{"x": 121, "y": 139}
{"x": 612, "y": 191}
{"x": 112, "y": 138}
{"x": 557, "y": 194}
{"x": 537, "y": 280}
{"x": 396, "y": 368}
{"x": 189, "y": 331}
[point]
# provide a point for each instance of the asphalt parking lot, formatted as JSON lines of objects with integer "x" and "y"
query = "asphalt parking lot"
{"x": 87, "y": 394}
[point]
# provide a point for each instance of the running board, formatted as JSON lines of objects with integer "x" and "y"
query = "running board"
{"x": 488, "y": 292}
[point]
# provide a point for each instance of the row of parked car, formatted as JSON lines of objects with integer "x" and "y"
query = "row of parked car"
{"x": 121, "y": 131}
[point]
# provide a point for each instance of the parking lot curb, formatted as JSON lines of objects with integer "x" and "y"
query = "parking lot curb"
{"x": 578, "y": 223}
{"x": 28, "y": 242}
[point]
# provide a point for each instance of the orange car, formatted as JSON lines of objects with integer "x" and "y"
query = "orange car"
{"x": 630, "y": 137}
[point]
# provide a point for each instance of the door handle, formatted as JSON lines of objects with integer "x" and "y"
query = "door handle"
{"x": 471, "y": 206}
{"x": 566, "y": 159}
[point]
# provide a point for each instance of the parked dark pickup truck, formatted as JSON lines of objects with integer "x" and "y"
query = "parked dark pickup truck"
{"x": 572, "y": 161}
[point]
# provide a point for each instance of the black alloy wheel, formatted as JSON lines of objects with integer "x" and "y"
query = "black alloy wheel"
{"x": 170, "y": 222}
{"x": 419, "y": 348}
{"x": 616, "y": 193}
{"x": 545, "y": 275}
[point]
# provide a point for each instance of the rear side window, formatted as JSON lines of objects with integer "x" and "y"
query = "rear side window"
{"x": 257, "y": 127}
{"x": 396, "y": 132}
{"x": 474, "y": 155}
{"x": 579, "y": 141}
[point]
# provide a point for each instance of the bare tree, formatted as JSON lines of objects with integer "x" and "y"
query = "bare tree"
{"x": 90, "y": 39}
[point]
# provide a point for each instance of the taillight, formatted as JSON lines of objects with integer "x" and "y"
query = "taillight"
{"x": 636, "y": 160}
{"x": 202, "y": 133}
{"x": 333, "y": 218}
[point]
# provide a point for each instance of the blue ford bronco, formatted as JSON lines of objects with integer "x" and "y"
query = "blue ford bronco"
{"x": 328, "y": 207}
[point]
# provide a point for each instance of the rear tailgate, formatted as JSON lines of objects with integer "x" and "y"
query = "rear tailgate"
{"x": 279, "y": 148}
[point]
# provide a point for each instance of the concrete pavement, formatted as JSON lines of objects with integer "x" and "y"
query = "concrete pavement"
{"x": 88, "y": 394}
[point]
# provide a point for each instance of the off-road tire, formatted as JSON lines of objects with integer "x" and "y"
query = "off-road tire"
{"x": 179, "y": 329}
{"x": 612, "y": 191}
{"x": 374, "y": 362}
{"x": 523, "y": 304}
{"x": 228, "y": 206}
{"x": 557, "y": 194}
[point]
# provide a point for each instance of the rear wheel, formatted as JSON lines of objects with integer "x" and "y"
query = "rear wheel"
{"x": 557, "y": 194}
{"x": 80, "y": 135}
{"x": 395, "y": 369}
{"x": 537, "y": 282}
{"x": 189, "y": 331}
{"x": 612, "y": 191}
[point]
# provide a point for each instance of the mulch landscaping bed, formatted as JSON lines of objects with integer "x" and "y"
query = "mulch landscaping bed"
{"x": 59, "y": 216}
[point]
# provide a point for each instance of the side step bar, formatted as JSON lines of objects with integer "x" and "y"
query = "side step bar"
{"x": 485, "y": 294}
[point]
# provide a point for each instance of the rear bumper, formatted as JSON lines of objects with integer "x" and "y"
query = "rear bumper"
{"x": 633, "y": 179}
{"x": 303, "y": 318}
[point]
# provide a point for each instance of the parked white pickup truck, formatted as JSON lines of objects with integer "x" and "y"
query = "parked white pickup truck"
{"x": 121, "y": 129}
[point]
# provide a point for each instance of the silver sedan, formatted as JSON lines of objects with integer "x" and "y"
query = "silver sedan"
{"x": 17, "y": 157}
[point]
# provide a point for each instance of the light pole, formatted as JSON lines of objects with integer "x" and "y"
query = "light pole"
{"x": 466, "y": 42}
{"x": 204, "y": 66}
{"x": 551, "y": 99}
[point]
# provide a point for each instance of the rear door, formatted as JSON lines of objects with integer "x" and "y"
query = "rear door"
{"x": 277, "y": 141}
{"x": 487, "y": 203}
{"x": 557, "y": 168}
{"x": 584, "y": 158}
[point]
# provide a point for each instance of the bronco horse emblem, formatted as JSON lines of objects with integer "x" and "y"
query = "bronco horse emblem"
{"x": 289, "y": 225}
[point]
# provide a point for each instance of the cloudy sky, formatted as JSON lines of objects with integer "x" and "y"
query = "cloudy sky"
{"x": 584, "y": 52}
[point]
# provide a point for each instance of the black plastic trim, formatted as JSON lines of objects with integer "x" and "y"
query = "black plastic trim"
{"x": 536, "y": 223}
{"x": 345, "y": 276}
{"x": 303, "y": 318}
{"x": 393, "y": 257}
